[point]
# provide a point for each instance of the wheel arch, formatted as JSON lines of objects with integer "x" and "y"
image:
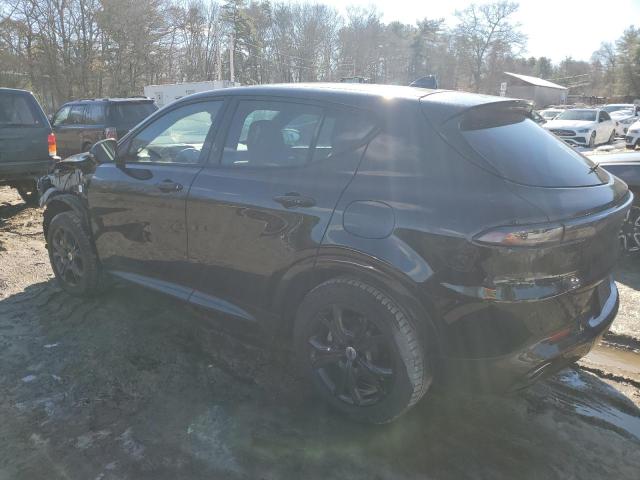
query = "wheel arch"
{"x": 306, "y": 275}
{"x": 64, "y": 202}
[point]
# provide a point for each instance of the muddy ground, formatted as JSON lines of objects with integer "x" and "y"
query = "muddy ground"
{"x": 133, "y": 385}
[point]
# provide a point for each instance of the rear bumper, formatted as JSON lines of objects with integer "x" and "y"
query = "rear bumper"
{"x": 542, "y": 357}
{"x": 18, "y": 171}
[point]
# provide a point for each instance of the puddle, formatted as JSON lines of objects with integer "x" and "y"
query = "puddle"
{"x": 598, "y": 402}
{"x": 615, "y": 360}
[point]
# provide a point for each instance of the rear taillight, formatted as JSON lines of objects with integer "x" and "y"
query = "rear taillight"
{"x": 522, "y": 236}
{"x": 51, "y": 140}
{"x": 111, "y": 132}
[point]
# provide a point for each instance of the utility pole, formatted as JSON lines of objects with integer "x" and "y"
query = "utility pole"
{"x": 231, "y": 55}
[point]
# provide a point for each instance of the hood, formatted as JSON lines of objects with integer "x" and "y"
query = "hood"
{"x": 622, "y": 115}
{"x": 635, "y": 126}
{"x": 569, "y": 124}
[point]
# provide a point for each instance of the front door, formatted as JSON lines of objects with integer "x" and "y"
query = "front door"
{"x": 138, "y": 206}
{"x": 265, "y": 201}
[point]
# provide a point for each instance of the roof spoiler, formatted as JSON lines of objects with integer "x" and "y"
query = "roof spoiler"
{"x": 441, "y": 107}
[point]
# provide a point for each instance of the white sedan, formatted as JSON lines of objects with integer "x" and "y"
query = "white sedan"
{"x": 632, "y": 138}
{"x": 624, "y": 119}
{"x": 583, "y": 126}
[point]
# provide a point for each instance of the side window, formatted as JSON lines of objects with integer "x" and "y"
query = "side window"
{"x": 176, "y": 137}
{"x": 605, "y": 116}
{"x": 342, "y": 131}
{"x": 271, "y": 134}
{"x": 62, "y": 116}
{"x": 76, "y": 115}
{"x": 94, "y": 114}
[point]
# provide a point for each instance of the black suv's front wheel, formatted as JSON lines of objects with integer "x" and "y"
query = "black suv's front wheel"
{"x": 361, "y": 350}
{"x": 73, "y": 260}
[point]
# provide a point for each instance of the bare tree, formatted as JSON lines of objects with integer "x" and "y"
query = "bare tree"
{"x": 486, "y": 28}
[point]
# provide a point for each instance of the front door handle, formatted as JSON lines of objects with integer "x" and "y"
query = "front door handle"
{"x": 294, "y": 200}
{"x": 168, "y": 186}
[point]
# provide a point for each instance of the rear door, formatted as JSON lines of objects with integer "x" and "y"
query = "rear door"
{"x": 94, "y": 126}
{"x": 67, "y": 125}
{"x": 138, "y": 209}
{"x": 264, "y": 201}
{"x": 23, "y": 132}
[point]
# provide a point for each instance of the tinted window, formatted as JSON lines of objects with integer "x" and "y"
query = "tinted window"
{"x": 604, "y": 116}
{"x": 271, "y": 134}
{"x": 62, "y": 116}
{"x": 520, "y": 151}
{"x": 584, "y": 115}
{"x": 176, "y": 137}
{"x": 76, "y": 115}
{"x": 130, "y": 113}
{"x": 342, "y": 130}
{"x": 15, "y": 110}
{"x": 94, "y": 114}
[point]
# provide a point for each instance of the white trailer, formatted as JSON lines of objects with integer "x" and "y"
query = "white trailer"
{"x": 165, "y": 94}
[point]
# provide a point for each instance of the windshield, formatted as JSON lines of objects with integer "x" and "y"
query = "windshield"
{"x": 615, "y": 108}
{"x": 623, "y": 113}
{"x": 583, "y": 115}
{"x": 549, "y": 114}
{"x": 131, "y": 113}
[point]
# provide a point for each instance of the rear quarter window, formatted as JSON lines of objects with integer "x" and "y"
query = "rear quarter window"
{"x": 519, "y": 150}
{"x": 19, "y": 110}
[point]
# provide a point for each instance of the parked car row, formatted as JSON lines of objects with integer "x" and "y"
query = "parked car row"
{"x": 591, "y": 126}
{"x": 29, "y": 144}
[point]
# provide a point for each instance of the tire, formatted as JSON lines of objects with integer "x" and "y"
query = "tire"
{"x": 361, "y": 350}
{"x": 29, "y": 193}
{"x": 630, "y": 231}
{"x": 592, "y": 140}
{"x": 71, "y": 254}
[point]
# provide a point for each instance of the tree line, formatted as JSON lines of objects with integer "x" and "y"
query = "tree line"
{"x": 65, "y": 49}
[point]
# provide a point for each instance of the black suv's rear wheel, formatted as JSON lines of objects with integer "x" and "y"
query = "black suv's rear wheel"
{"x": 630, "y": 232}
{"x": 361, "y": 350}
{"x": 73, "y": 260}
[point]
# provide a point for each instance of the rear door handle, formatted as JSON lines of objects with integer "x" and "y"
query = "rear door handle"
{"x": 294, "y": 200}
{"x": 167, "y": 186}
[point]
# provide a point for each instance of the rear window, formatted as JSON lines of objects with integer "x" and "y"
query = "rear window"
{"x": 131, "y": 113}
{"x": 18, "y": 111}
{"x": 521, "y": 151}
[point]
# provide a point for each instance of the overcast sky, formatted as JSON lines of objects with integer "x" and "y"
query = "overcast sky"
{"x": 555, "y": 28}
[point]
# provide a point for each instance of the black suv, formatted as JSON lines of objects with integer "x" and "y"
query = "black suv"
{"x": 395, "y": 235}
{"x": 27, "y": 144}
{"x": 80, "y": 124}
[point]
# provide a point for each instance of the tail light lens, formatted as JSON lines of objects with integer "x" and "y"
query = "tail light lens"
{"x": 522, "y": 236}
{"x": 51, "y": 140}
{"x": 111, "y": 132}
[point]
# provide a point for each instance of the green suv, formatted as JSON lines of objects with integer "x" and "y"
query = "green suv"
{"x": 27, "y": 144}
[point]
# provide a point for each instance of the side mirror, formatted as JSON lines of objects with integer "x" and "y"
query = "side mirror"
{"x": 105, "y": 151}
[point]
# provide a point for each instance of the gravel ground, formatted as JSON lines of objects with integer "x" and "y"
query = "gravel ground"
{"x": 134, "y": 385}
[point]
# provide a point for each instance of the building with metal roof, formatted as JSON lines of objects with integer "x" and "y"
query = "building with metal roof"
{"x": 541, "y": 92}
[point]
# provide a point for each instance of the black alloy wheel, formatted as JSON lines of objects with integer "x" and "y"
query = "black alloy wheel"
{"x": 72, "y": 255}
{"x": 363, "y": 352}
{"x": 630, "y": 232}
{"x": 351, "y": 356}
{"x": 66, "y": 257}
